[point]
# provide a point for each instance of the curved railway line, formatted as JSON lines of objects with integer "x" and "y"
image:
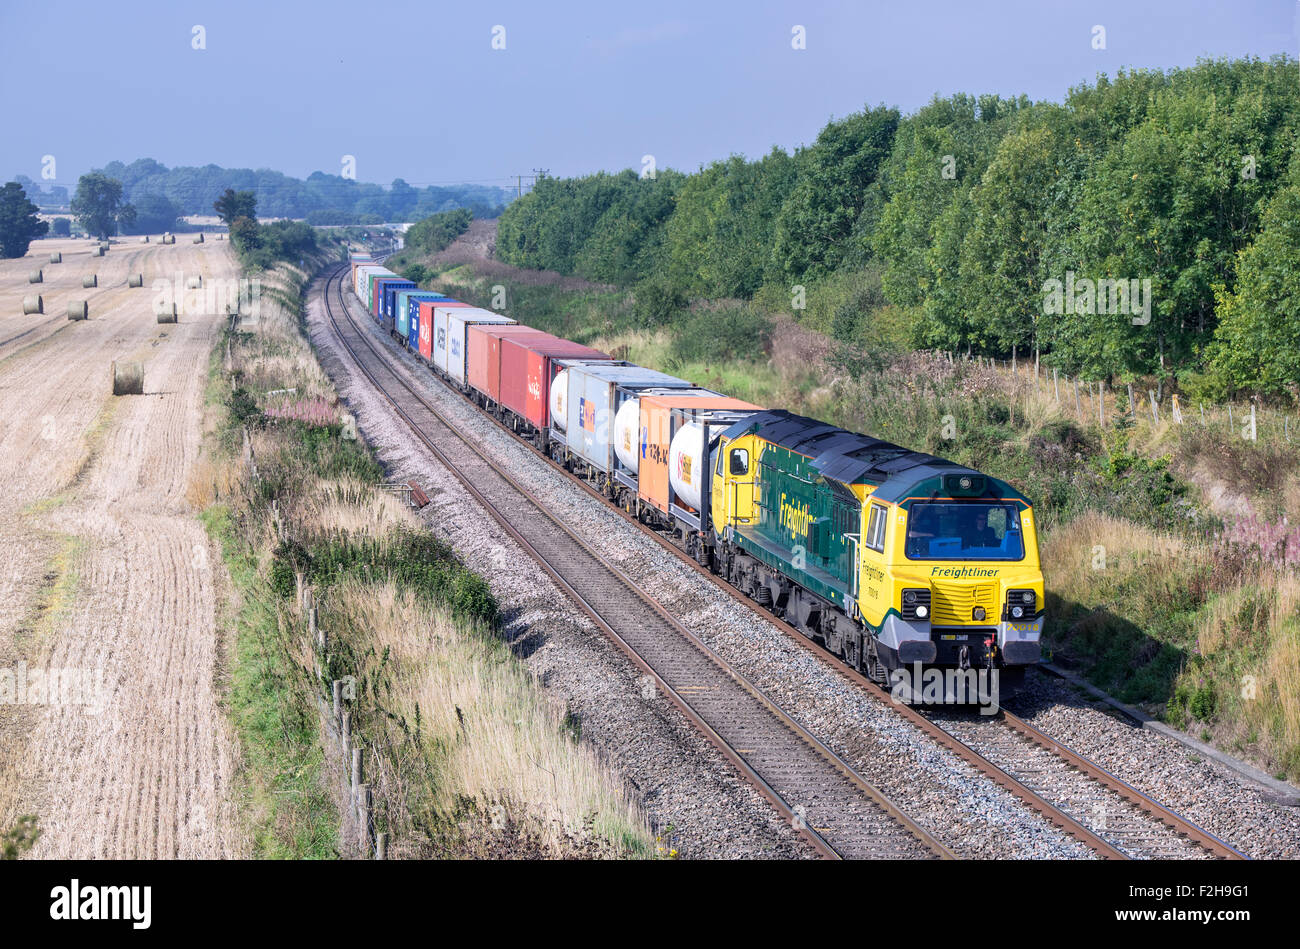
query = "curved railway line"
{"x": 834, "y": 808}
{"x": 1112, "y": 818}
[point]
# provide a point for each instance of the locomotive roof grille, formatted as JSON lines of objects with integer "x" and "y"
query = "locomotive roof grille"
{"x": 850, "y": 458}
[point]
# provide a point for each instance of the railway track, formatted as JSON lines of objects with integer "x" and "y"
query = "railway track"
{"x": 832, "y": 806}
{"x": 1135, "y": 824}
{"x": 1085, "y": 801}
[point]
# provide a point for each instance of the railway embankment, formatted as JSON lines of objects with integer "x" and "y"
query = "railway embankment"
{"x": 376, "y": 707}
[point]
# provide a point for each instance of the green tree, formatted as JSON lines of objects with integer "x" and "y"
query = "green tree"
{"x": 19, "y": 225}
{"x": 99, "y": 207}
{"x": 154, "y": 213}
{"x": 835, "y": 175}
{"x": 233, "y": 205}
{"x": 1257, "y": 343}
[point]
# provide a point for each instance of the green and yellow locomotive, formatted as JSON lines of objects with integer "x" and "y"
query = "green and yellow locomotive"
{"x": 890, "y": 557}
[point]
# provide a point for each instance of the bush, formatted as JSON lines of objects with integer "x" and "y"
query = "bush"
{"x": 718, "y": 334}
{"x": 658, "y": 301}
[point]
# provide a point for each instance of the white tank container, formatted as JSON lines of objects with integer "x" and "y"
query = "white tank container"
{"x": 627, "y": 434}
{"x": 687, "y": 458}
{"x": 559, "y": 399}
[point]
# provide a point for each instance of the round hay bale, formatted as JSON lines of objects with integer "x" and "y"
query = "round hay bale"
{"x": 78, "y": 310}
{"x": 35, "y": 277}
{"x": 97, "y": 252}
{"x": 221, "y": 237}
{"x": 104, "y": 245}
{"x": 128, "y": 378}
{"x": 135, "y": 280}
{"x": 165, "y": 313}
{"x": 90, "y": 280}
{"x": 145, "y": 239}
{"x": 33, "y": 304}
{"x": 194, "y": 283}
{"x": 199, "y": 239}
{"x": 56, "y": 257}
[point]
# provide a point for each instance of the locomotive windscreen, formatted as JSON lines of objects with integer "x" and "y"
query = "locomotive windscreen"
{"x": 964, "y": 531}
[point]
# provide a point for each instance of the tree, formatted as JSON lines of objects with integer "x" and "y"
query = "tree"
{"x": 835, "y": 175}
{"x": 233, "y": 205}
{"x": 98, "y": 205}
{"x": 154, "y": 214}
{"x": 62, "y": 227}
{"x": 19, "y": 225}
{"x": 1257, "y": 343}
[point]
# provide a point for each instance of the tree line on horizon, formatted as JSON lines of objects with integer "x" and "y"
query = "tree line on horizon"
{"x": 1148, "y": 225}
{"x": 161, "y": 194}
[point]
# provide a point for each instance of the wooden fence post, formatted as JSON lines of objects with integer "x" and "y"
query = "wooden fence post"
{"x": 1155, "y": 411}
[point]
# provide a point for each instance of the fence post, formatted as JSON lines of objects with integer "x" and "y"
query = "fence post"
{"x": 1078, "y": 409}
{"x": 1132, "y": 406}
{"x": 1155, "y": 410}
{"x": 365, "y": 801}
{"x": 381, "y": 845}
{"x": 1101, "y": 402}
{"x": 338, "y": 700}
{"x": 1175, "y": 409}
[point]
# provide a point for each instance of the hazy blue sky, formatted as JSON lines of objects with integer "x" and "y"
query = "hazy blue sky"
{"x": 416, "y": 90}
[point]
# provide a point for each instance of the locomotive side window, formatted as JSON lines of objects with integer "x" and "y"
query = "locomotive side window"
{"x": 876, "y": 528}
{"x": 740, "y": 461}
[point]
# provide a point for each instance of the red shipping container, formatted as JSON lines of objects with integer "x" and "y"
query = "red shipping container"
{"x": 526, "y": 373}
{"x": 484, "y": 343}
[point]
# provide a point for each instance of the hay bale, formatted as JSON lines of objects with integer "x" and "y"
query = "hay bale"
{"x": 145, "y": 239}
{"x": 97, "y": 252}
{"x": 199, "y": 239}
{"x": 135, "y": 280}
{"x": 33, "y": 304}
{"x": 90, "y": 280}
{"x": 168, "y": 237}
{"x": 165, "y": 312}
{"x": 104, "y": 245}
{"x": 221, "y": 237}
{"x": 56, "y": 258}
{"x": 78, "y": 310}
{"x": 128, "y": 378}
{"x": 194, "y": 283}
{"x": 35, "y": 277}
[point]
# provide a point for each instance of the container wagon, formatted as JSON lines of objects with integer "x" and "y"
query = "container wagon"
{"x": 595, "y": 393}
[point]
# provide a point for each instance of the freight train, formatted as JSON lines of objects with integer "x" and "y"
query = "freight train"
{"x": 898, "y": 562}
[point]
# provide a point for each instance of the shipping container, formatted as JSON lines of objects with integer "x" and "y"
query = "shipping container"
{"x": 595, "y": 393}
{"x": 366, "y": 273}
{"x": 526, "y": 374}
{"x": 367, "y": 277}
{"x": 382, "y": 287}
{"x": 388, "y": 304}
{"x": 434, "y": 312}
{"x": 449, "y": 327}
{"x": 402, "y": 313}
{"x": 676, "y": 434}
{"x": 483, "y": 346}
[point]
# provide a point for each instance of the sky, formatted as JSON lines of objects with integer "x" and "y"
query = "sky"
{"x": 420, "y": 91}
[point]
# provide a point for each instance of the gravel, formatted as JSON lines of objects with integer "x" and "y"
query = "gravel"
{"x": 1206, "y": 793}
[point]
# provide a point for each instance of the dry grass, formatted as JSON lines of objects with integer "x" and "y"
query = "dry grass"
{"x": 486, "y": 732}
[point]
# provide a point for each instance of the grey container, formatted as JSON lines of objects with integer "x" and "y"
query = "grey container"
{"x": 596, "y": 390}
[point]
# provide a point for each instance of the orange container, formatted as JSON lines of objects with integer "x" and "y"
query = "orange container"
{"x": 659, "y": 423}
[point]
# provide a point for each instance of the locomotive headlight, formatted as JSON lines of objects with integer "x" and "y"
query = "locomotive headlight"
{"x": 964, "y": 483}
{"x": 1017, "y": 612}
{"x": 977, "y": 614}
{"x": 916, "y": 603}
